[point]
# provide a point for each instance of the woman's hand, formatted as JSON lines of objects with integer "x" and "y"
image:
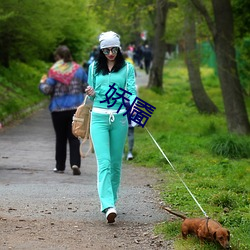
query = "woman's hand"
{"x": 90, "y": 91}
{"x": 43, "y": 79}
{"x": 132, "y": 111}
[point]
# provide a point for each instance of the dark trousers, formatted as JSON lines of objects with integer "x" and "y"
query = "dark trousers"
{"x": 131, "y": 139}
{"x": 62, "y": 122}
{"x": 147, "y": 65}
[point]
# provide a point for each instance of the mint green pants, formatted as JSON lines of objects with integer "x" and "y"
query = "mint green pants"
{"x": 108, "y": 138}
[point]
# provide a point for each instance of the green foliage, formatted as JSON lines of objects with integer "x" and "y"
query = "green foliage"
{"x": 219, "y": 183}
{"x": 29, "y": 33}
{"x": 170, "y": 230}
{"x": 243, "y": 59}
{"x": 128, "y": 18}
{"x": 175, "y": 25}
{"x": 241, "y": 17}
{"x": 224, "y": 200}
{"x": 231, "y": 146}
{"x": 175, "y": 28}
{"x": 19, "y": 87}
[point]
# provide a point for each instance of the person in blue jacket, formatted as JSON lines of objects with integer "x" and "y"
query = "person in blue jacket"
{"x": 65, "y": 83}
{"x": 108, "y": 77}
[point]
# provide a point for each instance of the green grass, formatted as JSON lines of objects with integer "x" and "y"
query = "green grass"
{"x": 19, "y": 88}
{"x": 214, "y": 164}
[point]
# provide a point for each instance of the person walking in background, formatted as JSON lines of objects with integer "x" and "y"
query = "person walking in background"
{"x": 65, "y": 84}
{"x": 138, "y": 52}
{"x": 108, "y": 128}
{"x": 93, "y": 55}
{"x": 147, "y": 54}
{"x": 131, "y": 136}
{"x": 130, "y": 127}
{"x": 127, "y": 58}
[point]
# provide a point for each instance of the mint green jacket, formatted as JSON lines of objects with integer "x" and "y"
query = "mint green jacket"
{"x": 124, "y": 79}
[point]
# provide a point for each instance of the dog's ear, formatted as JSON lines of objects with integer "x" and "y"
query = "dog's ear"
{"x": 228, "y": 237}
{"x": 214, "y": 235}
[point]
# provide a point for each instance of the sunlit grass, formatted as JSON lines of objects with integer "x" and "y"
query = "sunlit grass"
{"x": 190, "y": 140}
{"x": 19, "y": 87}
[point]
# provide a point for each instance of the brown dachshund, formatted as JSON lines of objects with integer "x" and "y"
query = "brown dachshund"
{"x": 204, "y": 229}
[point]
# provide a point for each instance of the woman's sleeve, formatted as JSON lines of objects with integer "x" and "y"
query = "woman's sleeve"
{"x": 47, "y": 87}
{"x": 82, "y": 75}
{"x": 131, "y": 83}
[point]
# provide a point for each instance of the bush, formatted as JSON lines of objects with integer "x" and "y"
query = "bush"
{"x": 223, "y": 200}
{"x": 231, "y": 146}
{"x": 19, "y": 88}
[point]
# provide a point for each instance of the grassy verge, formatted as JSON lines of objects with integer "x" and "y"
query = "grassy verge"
{"x": 19, "y": 89}
{"x": 214, "y": 164}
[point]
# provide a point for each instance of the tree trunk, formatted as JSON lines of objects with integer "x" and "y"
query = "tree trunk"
{"x": 235, "y": 109}
{"x": 201, "y": 99}
{"x": 223, "y": 38}
{"x": 159, "y": 47}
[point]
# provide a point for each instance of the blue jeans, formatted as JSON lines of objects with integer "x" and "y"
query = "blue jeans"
{"x": 108, "y": 139}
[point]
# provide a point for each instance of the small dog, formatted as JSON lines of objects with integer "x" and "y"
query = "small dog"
{"x": 204, "y": 229}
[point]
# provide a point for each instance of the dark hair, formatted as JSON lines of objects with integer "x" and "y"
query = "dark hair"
{"x": 102, "y": 67}
{"x": 64, "y": 53}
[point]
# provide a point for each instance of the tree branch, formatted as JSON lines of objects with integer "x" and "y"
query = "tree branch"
{"x": 202, "y": 9}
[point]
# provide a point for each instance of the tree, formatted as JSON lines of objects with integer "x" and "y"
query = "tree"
{"x": 28, "y": 33}
{"x": 159, "y": 44}
{"x": 126, "y": 17}
{"x": 242, "y": 33}
{"x": 201, "y": 99}
{"x": 241, "y": 17}
{"x": 223, "y": 38}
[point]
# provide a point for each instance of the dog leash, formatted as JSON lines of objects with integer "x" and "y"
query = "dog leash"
{"x": 176, "y": 173}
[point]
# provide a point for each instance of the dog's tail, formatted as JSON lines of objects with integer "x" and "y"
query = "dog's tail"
{"x": 175, "y": 213}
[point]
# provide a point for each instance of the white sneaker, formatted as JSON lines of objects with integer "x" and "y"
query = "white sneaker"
{"x": 58, "y": 171}
{"x": 129, "y": 156}
{"x": 111, "y": 214}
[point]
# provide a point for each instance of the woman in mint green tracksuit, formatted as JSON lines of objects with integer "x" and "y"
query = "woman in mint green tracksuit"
{"x": 109, "y": 76}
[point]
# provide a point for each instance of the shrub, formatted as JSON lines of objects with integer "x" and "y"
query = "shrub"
{"x": 223, "y": 200}
{"x": 231, "y": 146}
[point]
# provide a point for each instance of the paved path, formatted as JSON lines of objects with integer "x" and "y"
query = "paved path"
{"x": 27, "y": 160}
{"x": 31, "y": 191}
{"x": 141, "y": 78}
{"x": 26, "y": 163}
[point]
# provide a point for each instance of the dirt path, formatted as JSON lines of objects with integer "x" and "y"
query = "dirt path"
{"x": 43, "y": 210}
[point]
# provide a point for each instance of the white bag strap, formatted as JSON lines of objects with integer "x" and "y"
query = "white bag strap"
{"x": 85, "y": 99}
{"x": 84, "y": 140}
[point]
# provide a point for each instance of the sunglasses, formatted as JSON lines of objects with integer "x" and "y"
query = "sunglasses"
{"x": 106, "y": 51}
